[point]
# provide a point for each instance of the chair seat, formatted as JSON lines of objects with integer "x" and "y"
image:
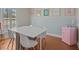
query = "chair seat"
{"x": 27, "y": 42}
{"x": 33, "y": 44}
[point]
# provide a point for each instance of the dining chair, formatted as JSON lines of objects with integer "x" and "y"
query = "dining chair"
{"x": 12, "y": 38}
{"x": 28, "y": 42}
{"x": 0, "y": 28}
{"x": 0, "y": 25}
{"x": 0, "y": 34}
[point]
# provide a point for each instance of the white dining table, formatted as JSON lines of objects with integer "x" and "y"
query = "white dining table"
{"x": 30, "y": 31}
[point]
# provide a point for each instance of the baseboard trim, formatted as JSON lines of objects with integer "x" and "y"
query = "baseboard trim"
{"x": 54, "y": 35}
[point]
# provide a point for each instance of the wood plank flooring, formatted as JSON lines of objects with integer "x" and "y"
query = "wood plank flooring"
{"x": 52, "y": 43}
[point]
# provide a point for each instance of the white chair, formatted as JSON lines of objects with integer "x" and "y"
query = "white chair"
{"x": 28, "y": 42}
{"x": 0, "y": 33}
{"x": 0, "y": 29}
{"x": 0, "y": 26}
{"x": 12, "y": 38}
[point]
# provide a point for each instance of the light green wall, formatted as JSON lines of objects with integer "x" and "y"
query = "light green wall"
{"x": 54, "y": 24}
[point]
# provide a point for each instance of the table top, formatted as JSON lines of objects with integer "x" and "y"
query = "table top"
{"x": 30, "y": 31}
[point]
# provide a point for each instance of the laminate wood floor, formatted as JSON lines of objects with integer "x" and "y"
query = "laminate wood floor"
{"x": 52, "y": 43}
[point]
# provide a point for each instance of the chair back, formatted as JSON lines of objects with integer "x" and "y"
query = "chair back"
{"x": 24, "y": 39}
{"x": 11, "y": 34}
{"x": 0, "y": 26}
{"x": 27, "y": 42}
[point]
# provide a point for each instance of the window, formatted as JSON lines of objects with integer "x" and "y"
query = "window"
{"x": 8, "y": 17}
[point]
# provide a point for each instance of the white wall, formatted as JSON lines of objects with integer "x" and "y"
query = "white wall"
{"x": 22, "y": 16}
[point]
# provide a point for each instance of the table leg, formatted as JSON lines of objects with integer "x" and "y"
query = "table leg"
{"x": 40, "y": 43}
{"x": 18, "y": 46}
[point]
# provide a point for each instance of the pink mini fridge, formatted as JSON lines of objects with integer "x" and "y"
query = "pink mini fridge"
{"x": 69, "y": 35}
